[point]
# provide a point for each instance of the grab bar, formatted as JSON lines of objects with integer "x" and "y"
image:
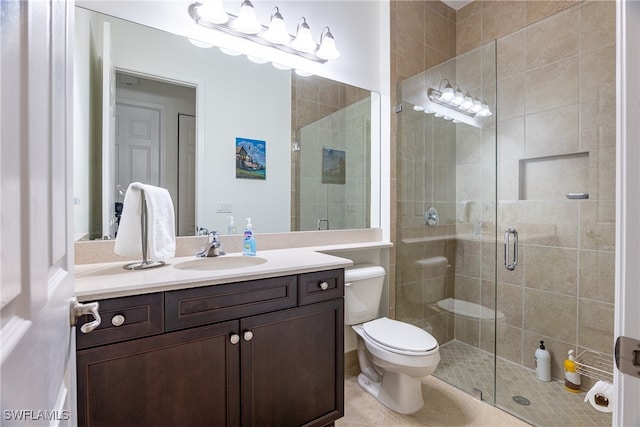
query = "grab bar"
{"x": 507, "y": 233}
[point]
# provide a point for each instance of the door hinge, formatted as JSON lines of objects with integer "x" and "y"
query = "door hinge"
{"x": 627, "y": 356}
{"x": 398, "y": 108}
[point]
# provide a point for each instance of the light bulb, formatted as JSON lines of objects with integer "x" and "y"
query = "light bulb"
{"x": 327, "y": 48}
{"x": 280, "y": 66}
{"x": 476, "y": 107}
{"x": 458, "y": 98}
{"x": 213, "y": 11}
{"x": 418, "y": 108}
{"x": 447, "y": 93}
{"x": 246, "y": 22}
{"x": 303, "y": 73}
{"x": 468, "y": 103}
{"x": 256, "y": 60}
{"x": 303, "y": 41}
{"x": 485, "y": 111}
{"x": 277, "y": 32}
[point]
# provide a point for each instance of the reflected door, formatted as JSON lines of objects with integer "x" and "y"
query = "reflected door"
{"x": 138, "y": 145}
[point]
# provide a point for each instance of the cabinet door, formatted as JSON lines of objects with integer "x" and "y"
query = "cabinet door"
{"x": 293, "y": 366}
{"x": 186, "y": 378}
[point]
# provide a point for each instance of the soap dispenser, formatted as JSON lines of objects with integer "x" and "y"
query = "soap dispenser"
{"x": 571, "y": 376}
{"x": 249, "y": 241}
{"x": 231, "y": 228}
{"x": 543, "y": 363}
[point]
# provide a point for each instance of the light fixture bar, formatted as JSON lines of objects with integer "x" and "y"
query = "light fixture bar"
{"x": 228, "y": 28}
{"x": 435, "y": 95}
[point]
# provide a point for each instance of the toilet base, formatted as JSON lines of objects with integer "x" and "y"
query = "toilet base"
{"x": 399, "y": 392}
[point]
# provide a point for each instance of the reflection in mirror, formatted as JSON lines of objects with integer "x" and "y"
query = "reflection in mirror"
{"x": 312, "y": 137}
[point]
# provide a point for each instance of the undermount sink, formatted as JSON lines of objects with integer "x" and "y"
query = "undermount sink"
{"x": 220, "y": 263}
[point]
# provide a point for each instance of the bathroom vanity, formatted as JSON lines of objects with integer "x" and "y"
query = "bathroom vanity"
{"x": 255, "y": 351}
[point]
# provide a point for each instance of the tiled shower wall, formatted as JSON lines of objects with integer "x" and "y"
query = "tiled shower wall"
{"x": 346, "y": 205}
{"x": 313, "y": 98}
{"x": 556, "y": 113}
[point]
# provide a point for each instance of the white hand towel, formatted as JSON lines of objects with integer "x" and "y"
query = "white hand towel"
{"x": 161, "y": 241}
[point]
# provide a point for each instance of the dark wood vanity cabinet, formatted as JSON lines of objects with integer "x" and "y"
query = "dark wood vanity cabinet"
{"x": 257, "y": 353}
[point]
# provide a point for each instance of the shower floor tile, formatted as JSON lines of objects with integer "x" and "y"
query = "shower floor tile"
{"x": 468, "y": 368}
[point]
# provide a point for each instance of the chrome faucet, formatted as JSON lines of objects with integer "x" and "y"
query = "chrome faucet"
{"x": 212, "y": 249}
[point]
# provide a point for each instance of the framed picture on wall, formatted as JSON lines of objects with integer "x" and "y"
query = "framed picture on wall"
{"x": 333, "y": 166}
{"x": 251, "y": 159}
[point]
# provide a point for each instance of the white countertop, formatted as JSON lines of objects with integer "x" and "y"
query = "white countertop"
{"x": 109, "y": 280}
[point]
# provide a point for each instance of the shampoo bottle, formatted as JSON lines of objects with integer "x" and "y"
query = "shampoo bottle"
{"x": 571, "y": 376}
{"x": 249, "y": 242}
{"x": 543, "y": 363}
{"x": 231, "y": 228}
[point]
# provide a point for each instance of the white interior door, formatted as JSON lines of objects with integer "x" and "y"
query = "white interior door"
{"x": 186, "y": 175}
{"x": 37, "y": 347}
{"x": 138, "y": 145}
{"x": 627, "y": 387}
{"x": 108, "y": 135}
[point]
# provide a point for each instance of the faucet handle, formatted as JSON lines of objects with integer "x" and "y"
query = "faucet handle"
{"x": 213, "y": 236}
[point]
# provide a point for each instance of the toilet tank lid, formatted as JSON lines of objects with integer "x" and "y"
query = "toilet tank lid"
{"x": 363, "y": 271}
{"x": 399, "y": 335}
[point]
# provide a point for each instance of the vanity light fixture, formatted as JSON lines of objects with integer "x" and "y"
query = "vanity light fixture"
{"x": 454, "y": 105}
{"x": 211, "y": 14}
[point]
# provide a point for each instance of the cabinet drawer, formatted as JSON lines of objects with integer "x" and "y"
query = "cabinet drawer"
{"x": 142, "y": 315}
{"x": 320, "y": 286}
{"x": 186, "y": 308}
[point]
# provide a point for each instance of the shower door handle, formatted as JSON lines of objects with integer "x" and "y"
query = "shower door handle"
{"x": 510, "y": 266}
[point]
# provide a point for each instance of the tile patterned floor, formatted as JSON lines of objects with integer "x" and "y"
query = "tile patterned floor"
{"x": 467, "y": 367}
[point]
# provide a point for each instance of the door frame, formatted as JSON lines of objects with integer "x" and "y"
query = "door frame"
{"x": 199, "y": 86}
{"x": 627, "y": 299}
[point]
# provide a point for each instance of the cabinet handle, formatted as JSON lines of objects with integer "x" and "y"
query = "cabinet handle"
{"x": 117, "y": 320}
{"x": 234, "y": 338}
{"x": 324, "y": 286}
{"x": 248, "y": 335}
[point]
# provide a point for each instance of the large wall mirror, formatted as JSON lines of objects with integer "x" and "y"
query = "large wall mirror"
{"x": 226, "y": 136}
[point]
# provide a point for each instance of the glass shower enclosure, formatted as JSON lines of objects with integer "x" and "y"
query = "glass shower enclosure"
{"x": 505, "y": 231}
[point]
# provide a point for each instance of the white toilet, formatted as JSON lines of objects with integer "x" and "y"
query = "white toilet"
{"x": 393, "y": 355}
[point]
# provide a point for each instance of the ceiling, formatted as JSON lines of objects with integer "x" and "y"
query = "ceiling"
{"x": 456, "y": 4}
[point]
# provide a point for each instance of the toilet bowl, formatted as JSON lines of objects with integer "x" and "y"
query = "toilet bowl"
{"x": 393, "y": 355}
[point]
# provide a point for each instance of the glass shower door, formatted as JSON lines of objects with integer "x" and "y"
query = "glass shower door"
{"x": 447, "y": 252}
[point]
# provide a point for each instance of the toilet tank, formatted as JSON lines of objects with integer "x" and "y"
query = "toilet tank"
{"x": 362, "y": 293}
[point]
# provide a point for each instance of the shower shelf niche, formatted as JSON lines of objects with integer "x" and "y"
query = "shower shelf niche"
{"x": 595, "y": 365}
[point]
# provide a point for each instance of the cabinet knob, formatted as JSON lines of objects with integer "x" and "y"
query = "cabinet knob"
{"x": 234, "y": 338}
{"x": 248, "y": 335}
{"x": 324, "y": 286}
{"x": 117, "y": 320}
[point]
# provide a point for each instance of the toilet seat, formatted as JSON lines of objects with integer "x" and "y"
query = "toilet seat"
{"x": 399, "y": 337}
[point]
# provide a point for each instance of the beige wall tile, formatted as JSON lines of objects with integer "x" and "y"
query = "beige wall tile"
{"x": 603, "y": 174}
{"x": 509, "y": 343}
{"x": 537, "y": 9}
{"x": 595, "y": 328}
{"x": 550, "y": 315}
{"x": 467, "y": 288}
{"x": 552, "y": 86}
{"x": 502, "y": 18}
{"x": 511, "y": 97}
{"x": 468, "y": 258}
{"x": 597, "y": 225}
{"x": 412, "y": 16}
{"x": 511, "y": 55}
{"x": 552, "y": 269}
{"x": 596, "y": 275}
{"x": 552, "y": 132}
{"x": 553, "y": 39}
{"x": 511, "y": 139}
{"x": 510, "y": 300}
{"x": 598, "y": 25}
{"x": 469, "y": 34}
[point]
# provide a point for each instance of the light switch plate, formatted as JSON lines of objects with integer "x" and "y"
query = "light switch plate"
{"x": 225, "y": 207}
